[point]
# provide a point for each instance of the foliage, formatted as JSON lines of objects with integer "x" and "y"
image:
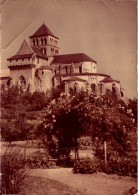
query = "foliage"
{"x": 38, "y": 159}
{"x": 17, "y": 108}
{"x": 15, "y": 129}
{"x": 87, "y": 166}
{"x": 132, "y": 106}
{"x": 60, "y": 127}
{"x": 68, "y": 118}
{"x": 121, "y": 166}
{"x": 13, "y": 171}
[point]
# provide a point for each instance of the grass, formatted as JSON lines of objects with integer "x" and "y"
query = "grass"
{"x": 13, "y": 171}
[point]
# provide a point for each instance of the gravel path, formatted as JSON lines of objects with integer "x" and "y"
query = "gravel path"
{"x": 90, "y": 184}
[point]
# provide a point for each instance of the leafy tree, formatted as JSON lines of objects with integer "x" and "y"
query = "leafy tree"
{"x": 104, "y": 119}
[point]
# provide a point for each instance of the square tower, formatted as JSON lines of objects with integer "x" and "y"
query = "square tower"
{"x": 46, "y": 41}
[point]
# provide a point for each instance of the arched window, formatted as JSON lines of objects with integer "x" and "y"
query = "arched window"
{"x": 80, "y": 69}
{"x": 36, "y": 42}
{"x": 93, "y": 87}
{"x": 122, "y": 94}
{"x": 45, "y": 51}
{"x": 45, "y": 41}
{"x": 75, "y": 87}
{"x": 56, "y": 52}
{"x": 33, "y": 42}
{"x": 66, "y": 70}
{"x": 41, "y": 41}
{"x": 22, "y": 82}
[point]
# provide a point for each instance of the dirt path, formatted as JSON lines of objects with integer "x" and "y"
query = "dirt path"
{"x": 92, "y": 184}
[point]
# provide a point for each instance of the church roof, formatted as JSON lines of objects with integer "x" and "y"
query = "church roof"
{"x": 109, "y": 80}
{"x": 72, "y": 58}
{"x": 26, "y": 51}
{"x": 39, "y": 53}
{"x": 74, "y": 79}
{"x": 43, "y": 31}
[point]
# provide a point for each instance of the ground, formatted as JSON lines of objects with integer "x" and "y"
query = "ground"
{"x": 61, "y": 181}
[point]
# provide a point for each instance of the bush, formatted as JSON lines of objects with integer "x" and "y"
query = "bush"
{"x": 120, "y": 166}
{"x": 38, "y": 159}
{"x": 87, "y": 166}
{"x": 13, "y": 171}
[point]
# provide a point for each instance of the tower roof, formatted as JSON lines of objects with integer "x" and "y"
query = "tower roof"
{"x": 72, "y": 58}
{"x": 43, "y": 31}
{"x": 26, "y": 51}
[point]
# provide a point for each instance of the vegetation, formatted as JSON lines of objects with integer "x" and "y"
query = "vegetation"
{"x": 13, "y": 172}
{"x": 38, "y": 159}
{"x": 120, "y": 165}
{"x": 60, "y": 122}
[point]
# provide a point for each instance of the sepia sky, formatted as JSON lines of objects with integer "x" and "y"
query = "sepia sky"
{"x": 103, "y": 29}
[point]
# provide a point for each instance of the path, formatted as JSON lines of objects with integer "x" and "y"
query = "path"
{"x": 90, "y": 184}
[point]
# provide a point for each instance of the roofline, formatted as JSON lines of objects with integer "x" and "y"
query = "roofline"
{"x": 71, "y": 80}
{"x": 43, "y": 36}
{"x": 19, "y": 56}
{"x": 21, "y": 66}
{"x": 81, "y": 74}
{"x": 110, "y": 81}
{"x": 42, "y": 57}
{"x": 75, "y": 54}
{"x": 11, "y": 58}
{"x": 4, "y": 77}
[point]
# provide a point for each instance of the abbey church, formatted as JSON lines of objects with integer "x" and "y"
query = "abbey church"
{"x": 38, "y": 66}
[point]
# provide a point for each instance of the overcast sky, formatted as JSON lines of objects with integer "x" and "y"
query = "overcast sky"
{"x": 103, "y": 29}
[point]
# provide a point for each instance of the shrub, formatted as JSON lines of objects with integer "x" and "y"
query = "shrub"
{"x": 13, "y": 171}
{"x": 38, "y": 159}
{"x": 122, "y": 166}
{"x": 87, "y": 166}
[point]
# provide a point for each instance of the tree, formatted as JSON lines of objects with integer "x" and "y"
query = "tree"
{"x": 61, "y": 127}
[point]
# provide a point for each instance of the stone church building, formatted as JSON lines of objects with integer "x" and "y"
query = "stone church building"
{"x": 38, "y": 66}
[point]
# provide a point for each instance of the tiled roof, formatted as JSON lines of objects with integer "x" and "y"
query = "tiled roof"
{"x": 39, "y": 53}
{"x": 45, "y": 68}
{"x": 109, "y": 80}
{"x": 43, "y": 31}
{"x": 26, "y": 51}
{"x": 72, "y": 58}
{"x": 20, "y": 56}
{"x": 74, "y": 79}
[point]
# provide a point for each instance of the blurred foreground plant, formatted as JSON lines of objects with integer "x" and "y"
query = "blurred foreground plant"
{"x": 13, "y": 171}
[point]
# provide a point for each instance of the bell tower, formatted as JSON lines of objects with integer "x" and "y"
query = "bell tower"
{"x": 46, "y": 41}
